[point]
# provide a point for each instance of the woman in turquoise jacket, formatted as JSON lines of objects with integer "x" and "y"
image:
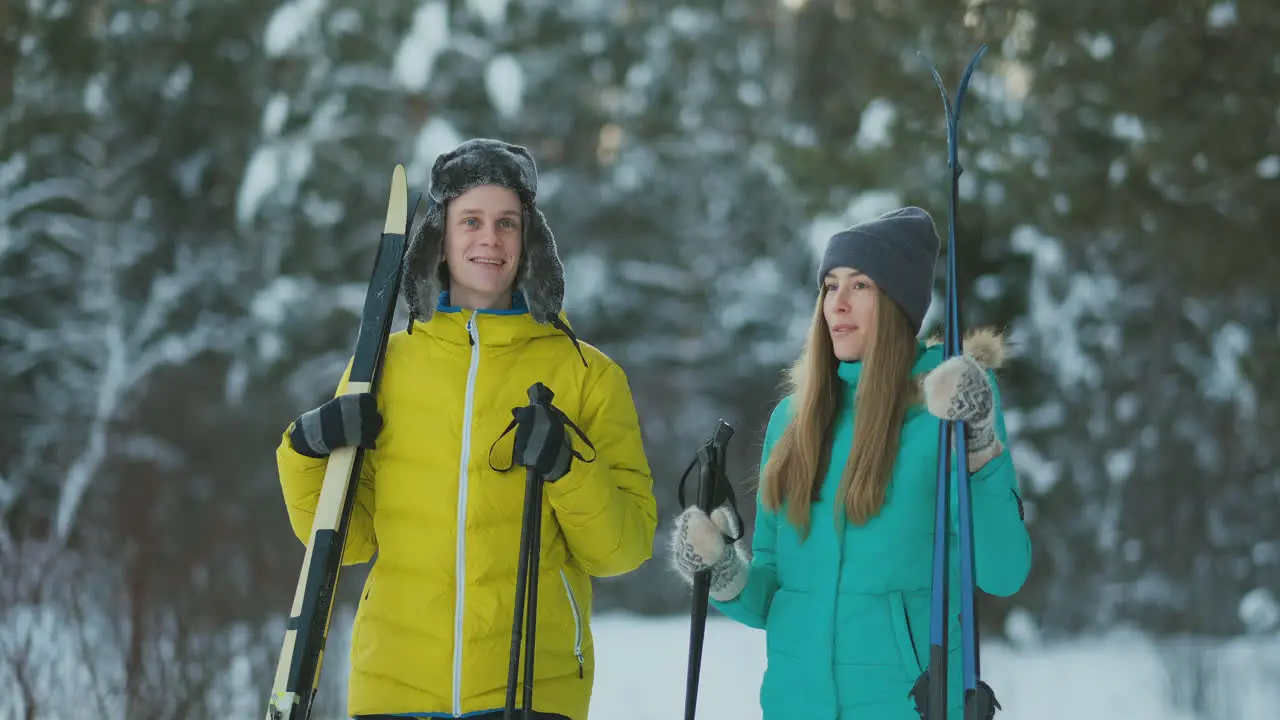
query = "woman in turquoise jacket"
{"x": 839, "y": 568}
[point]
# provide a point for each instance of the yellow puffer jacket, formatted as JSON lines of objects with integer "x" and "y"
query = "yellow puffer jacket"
{"x": 433, "y": 629}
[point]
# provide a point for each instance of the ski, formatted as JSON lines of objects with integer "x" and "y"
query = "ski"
{"x": 298, "y": 672}
{"x": 931, "y": 691}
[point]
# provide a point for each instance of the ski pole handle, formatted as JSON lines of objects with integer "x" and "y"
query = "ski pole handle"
{"x": 710, "y": 460}
{"x": 724, "y": 431}
{"x": 540, "y": 394}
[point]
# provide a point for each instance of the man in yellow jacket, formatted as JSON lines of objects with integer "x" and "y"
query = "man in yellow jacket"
{"x": 432, "y": 634}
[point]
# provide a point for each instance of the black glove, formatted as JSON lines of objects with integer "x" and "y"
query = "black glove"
{"x": 350, "y": 420}
{"x": 542, "y": 438}
{"x": 541, "y": 442}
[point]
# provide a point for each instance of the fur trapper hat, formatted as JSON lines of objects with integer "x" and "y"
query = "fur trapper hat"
{"x": 476, "y": 162}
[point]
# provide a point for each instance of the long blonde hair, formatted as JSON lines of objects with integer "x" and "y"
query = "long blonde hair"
{"x": 799, "y": 459}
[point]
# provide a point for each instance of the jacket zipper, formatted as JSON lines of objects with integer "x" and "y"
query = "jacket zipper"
{"x": 577, "y": 624}
{"x": 461, "y": 560}
{"x": 915, "y": 654}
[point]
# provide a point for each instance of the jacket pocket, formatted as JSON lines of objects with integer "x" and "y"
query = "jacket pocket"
{"x": 902, "y": 631}
{"x": 577, "y": 623}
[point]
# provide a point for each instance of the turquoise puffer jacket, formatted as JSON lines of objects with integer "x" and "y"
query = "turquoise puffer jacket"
{"x": 846, "y": 613}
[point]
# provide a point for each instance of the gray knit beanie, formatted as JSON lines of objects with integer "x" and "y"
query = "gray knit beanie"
{"x": 897, "y": 250}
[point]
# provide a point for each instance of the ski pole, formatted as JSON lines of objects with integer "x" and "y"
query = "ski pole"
{"x": 526, "y": 608}
{"x": 713, "y": 489}
{"x": 526, "y": 603}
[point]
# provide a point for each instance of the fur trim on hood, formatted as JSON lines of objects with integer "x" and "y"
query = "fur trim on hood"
{"x": 986, "y": 345}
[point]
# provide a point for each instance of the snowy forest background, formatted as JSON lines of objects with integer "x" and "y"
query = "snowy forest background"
{"x": 191, "y": 192}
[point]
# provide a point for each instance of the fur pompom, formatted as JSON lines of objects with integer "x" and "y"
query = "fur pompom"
{"x": 987, "y": 346}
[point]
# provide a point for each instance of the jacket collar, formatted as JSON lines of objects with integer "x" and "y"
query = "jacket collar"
{"x": 494, "y": 327}
{"x": 851, "y": 372}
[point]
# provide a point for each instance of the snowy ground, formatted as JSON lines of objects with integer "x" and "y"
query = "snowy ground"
{"x": 642, "y": 662}
{"x": 1120, "y": 677}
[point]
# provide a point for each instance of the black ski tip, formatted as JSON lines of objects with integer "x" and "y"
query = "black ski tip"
{"x": 981, "y": 702}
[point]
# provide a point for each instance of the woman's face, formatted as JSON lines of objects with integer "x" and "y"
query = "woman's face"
{"x": 482, "y": 246}
{"x": 849, "y": 307}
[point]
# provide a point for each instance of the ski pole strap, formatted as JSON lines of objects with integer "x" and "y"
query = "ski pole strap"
{"x": 710, "y": 458}
{"x": 684, "y": 477}
{"x": 557, "y": 415}
{"x": 732, "y": 501}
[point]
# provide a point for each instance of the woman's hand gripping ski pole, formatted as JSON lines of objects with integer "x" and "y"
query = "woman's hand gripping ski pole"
{"x": 706, "y": 548}
{"x": 543, "y": 448}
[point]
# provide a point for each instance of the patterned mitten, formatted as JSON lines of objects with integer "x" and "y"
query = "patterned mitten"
{"x": 348, "y": 420}
{"x": 959, "y": 389}
{"x": 700, "y": 543}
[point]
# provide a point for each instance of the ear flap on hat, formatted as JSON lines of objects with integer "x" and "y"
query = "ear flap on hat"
{"x": 541, "y": 275}
{"x": 421, "y": 276}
